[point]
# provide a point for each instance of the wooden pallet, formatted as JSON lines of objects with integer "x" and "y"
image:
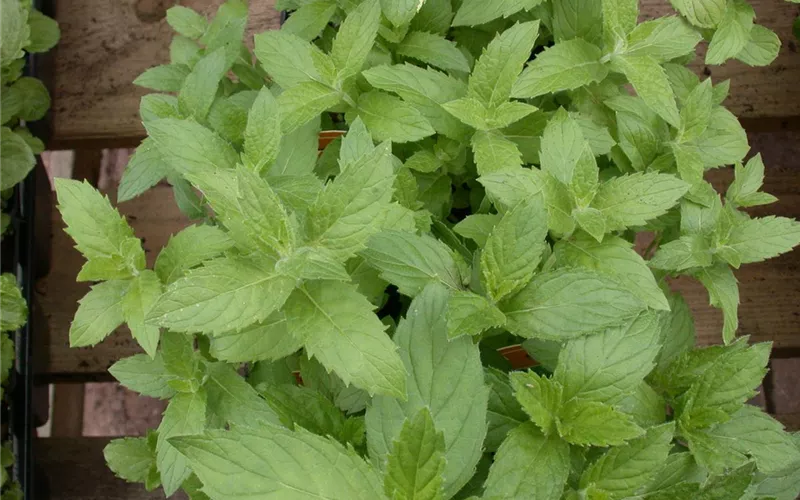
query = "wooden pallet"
{"x": 105, "y": 45}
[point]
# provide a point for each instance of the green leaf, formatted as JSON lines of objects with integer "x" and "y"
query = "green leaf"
{"x": 614, "y": 257}
{"x": 477, "y": 227}
{"x": 185, "y": 415}
{"x": 424, "y": 161}
{"x": 514, "y": 249}
{"x": 577, "y": 19}
{"x": 339, "y": 328}
{"x": 565, "y": 304}
{"x": 310, "y": 19}
{"x": 268, "y": 339}
{"x": 562, "y": 147}
{"x": 307, "y": 408}
{"x": 411, "y": 262}
{"x": 663, "y": 39}
{"x": 744, "y": 190}
{"x": 224, "y": 294}
{"x": 732, "y": 484}
{"x": 677, "y": 331}
{"x": 186, "y": 21}
{"x": 188, "y": 147}
{"x": 415, "y": 466}
{"x": 344, "y": 215}
{"x": 145, "y": 375}
{"x": 356, "y": 144}
{"x": 645, "y": 405}
{"x": 504, "y": 413}
{"x": 271, "y": 460}
{"x": 763, "y": 238}
{"x": 426, "y": 90}
{"x": 355, "y": 39}
{"x": 183, "y": 50}
{"x": 130, "y": 458}
{"x": 623, "y": 469}
{"x": 305, "y": 101}
{"x": 99, "y": 313}
{"x": 391, "y": 119}
{"x": 17, "y": 157}
{"x": 723, "y": 293}
{"x": 474, "y": 12}
{"x": 696, "y": 112}
{"x": 564, "y": 66}
{"x": 733, "y": 33}
{"x": 44, "y": 32}
{"x": 762, "y": 48}
{"x": 164, "y": 78}
{"x": 702, "y": 13}
{"x": 290, "y": 60}
{"x": 433, "y": 49}
{"x": 749, "y": 434}
{"x": 457, "y": 403}
{"x": 13, "y": 309}
{"x": 189, "y": 248}
{"x": 199, "y": 89}
{"x": 101, "y": 234}
{"x": 309, "y": 263}
{"x": 592, "y": 423}
{"x": 155, "y": 106}
{"x": 501, "y": 62}
{"x": 233, "y": 400}
{"x": 227, "y": 30}
{"x": 471, "y": 314}
{"x": 723, "y": 143}
{"x": 619, "y": 19}
{"x": 145, "y": 169}
{"x": 529, "y": 465}
{"x": 539, "y": 396}
{"x": 15, "y": 31}
{"x": 651, "y": 84}
{"x": 297, "y": 153}
{"x": 632, "y": 200}
{"x": 262, "y": 136}
{"x": 494, "y": 153}
{"x": 684, "y": 253}
{"x": 726, "y": 384}
{"x": 606, "y": 366}
{"x": 34, "y": 96}
{"x": 139, "y": 298}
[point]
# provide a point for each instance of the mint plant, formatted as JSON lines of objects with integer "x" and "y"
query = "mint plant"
{"x": 22, "y": 99}
{"x": 329, "y": 326}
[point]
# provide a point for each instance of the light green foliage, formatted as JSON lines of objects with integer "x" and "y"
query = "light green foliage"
{"x": 417, "y": 461}
{"x": 13, "y": 309}
{"x": 334, "y": 324}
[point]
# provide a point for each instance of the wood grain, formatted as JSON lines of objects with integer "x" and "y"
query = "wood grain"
{"x": 74, "y": 469}
{"x": 105, "y": 45}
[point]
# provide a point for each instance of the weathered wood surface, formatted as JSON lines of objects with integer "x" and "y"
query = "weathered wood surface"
{"x": 74, "y": 469}
{"x": 105, "y": 45}
{"x": 769, "y": 309}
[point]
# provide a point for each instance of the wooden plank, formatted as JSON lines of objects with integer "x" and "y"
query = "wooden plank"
{"x": 104, "y": 46}
{"x": 761, "y": 92}
{"x": 67, "y": 410}
{"x": 74, "y": 469}
{"x": 154, "y": 218}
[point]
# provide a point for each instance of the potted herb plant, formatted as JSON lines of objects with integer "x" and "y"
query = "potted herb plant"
{"x": 23, "y": 99}
{"x": 500, "y": 160}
